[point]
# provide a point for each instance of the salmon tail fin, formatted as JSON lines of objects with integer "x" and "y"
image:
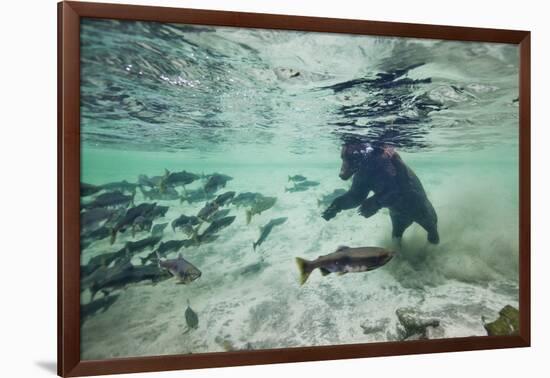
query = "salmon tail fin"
{"x": 303, "y": 268}
{"x": 113, "y": 236}
{"x": 254, "y": 245}
{"x": 248, "y": 216}
{"x": 195, "y": 235}
{"x": 142, "y": 191}
{"x": 158, "y": 259}
{"x": 132, "y": 200}
{"x": 162, "y": 182}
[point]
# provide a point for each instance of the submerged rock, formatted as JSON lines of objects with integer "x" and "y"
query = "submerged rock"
{"x": 378, "y": 326}
{"x": 229, "y": 346}
{"x": 507, "y": 323}
{"x": 381, "y": 329}
{"x": 414, "y": 325}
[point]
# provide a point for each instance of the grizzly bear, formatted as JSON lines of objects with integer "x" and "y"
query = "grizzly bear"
{"x": 395, "y": 186}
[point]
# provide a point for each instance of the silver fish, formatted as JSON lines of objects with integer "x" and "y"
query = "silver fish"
{"x": 266, "y": 230}
{"x": 345, "y": 260}
{"x": 180, "y": 268}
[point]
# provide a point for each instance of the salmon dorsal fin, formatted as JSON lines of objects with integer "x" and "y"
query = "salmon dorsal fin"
{"x": 341, "y": 248}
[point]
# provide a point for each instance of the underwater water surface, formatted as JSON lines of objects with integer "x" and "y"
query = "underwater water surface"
{"x": 259, "y": 106}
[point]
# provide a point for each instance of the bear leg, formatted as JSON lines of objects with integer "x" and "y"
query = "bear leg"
{"x": 429, "y": 223}
{"x": 399, "y": 223}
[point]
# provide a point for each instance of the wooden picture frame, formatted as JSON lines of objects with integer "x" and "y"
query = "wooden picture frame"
{"x": 69, "y": 16}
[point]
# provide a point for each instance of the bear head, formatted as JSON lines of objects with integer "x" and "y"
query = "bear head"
{"x": 354, "y": 156}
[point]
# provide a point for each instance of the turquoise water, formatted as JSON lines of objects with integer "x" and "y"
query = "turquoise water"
{"x": 261, "y": 105}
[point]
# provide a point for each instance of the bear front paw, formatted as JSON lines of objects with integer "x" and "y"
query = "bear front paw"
{"x": 368, "y": 208}
{"x": 329, "y": 213}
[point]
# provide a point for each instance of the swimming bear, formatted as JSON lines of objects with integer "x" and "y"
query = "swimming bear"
{"x": 380, "y": 170}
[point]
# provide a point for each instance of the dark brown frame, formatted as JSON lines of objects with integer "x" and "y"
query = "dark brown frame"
{"x": 69, "y": 14}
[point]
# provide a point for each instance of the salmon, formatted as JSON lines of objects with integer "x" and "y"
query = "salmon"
{"x": 345, "y": 260}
